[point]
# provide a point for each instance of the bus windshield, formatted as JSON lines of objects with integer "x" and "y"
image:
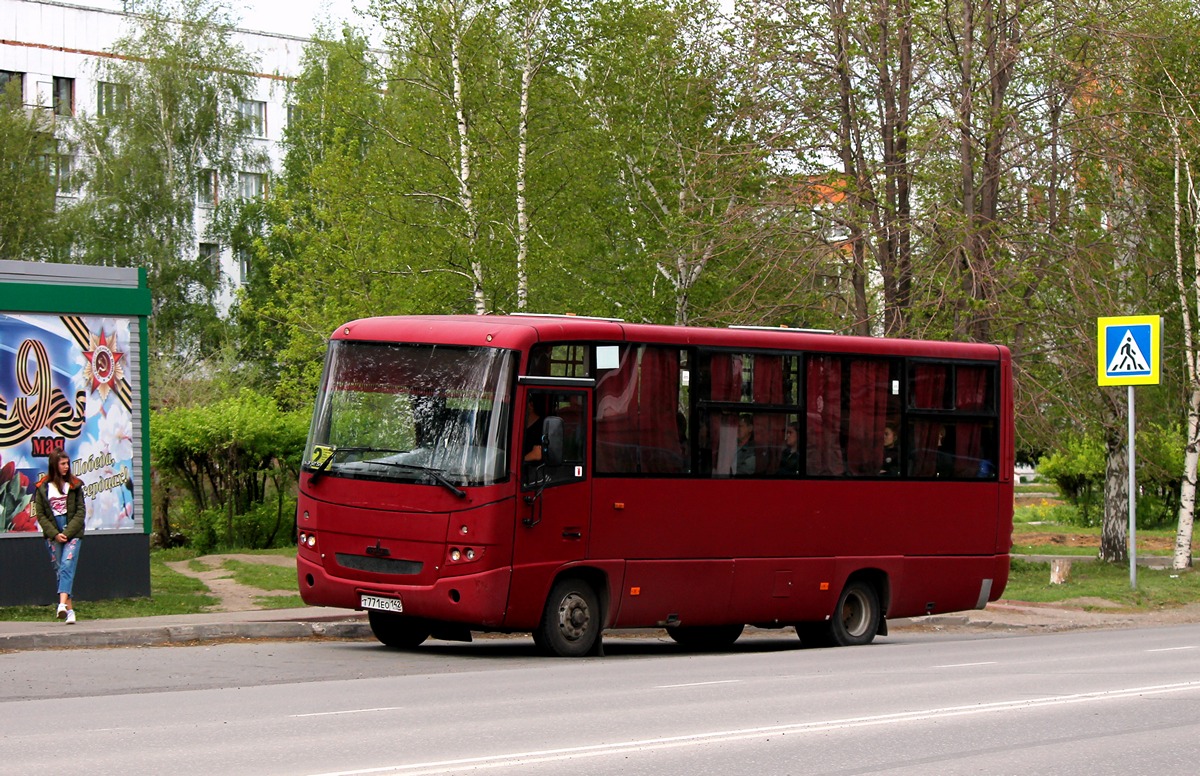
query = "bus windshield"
{"x": 431, "y": 414}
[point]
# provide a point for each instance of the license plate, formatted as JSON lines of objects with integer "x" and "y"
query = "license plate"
{"x": 379, "y": 603}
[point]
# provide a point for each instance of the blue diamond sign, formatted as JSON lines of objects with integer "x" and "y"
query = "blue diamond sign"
{"x": 1129, "y": 350}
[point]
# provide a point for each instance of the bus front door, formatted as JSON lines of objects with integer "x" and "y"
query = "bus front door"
{"x": 554, "y": 503}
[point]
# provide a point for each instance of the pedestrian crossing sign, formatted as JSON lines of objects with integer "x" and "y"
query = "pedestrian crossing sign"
{"x": 1129, "y": 350}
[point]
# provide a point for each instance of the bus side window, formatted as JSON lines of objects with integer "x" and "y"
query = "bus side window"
{"x": 569, "y": 407}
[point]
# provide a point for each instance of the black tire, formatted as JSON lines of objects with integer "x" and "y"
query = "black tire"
{"x": 855, "y": 621}
{"x": 706, "y": 637}
{"x": 571, "y": 621}
{"x": 396, "y": 630}
{"x": 814, "y": 634}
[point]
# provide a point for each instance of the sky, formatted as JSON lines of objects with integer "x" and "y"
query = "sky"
{"x": 290, "y": 17}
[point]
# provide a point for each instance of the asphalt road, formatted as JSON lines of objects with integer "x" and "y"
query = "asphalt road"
{"x": 1090, "y": 702}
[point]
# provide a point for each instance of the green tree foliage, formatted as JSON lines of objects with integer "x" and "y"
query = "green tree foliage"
{"x": 1077, "y": 467}
{"x": 28, "y": 155}
{"x": 230, "y": 457}
{"x": 168, "y": 127}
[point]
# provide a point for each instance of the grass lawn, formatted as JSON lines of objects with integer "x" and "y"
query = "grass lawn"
{"x": 262, "y": 576}
{"x": 173, "y": 593}
{"x": 1156, "y": 589}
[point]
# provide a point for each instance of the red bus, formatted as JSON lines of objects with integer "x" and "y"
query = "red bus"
{"x": 563, "y": 475}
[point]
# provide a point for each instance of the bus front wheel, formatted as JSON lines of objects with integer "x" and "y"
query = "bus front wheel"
{"x": 397, "y": 631}
{"x": 855, "y": 621}
{"x": 571, "y": 620}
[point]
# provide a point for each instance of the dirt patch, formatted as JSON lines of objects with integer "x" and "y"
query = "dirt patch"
{"x": 1082, "y": 540}
{"x": 231, "y": 596}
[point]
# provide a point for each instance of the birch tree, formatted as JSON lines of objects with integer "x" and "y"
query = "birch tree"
{"x": 654, "y": 82}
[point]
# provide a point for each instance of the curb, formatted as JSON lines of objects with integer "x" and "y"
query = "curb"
{"x": 150, "y": 636}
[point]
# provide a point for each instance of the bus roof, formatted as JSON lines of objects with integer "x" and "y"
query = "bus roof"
{"x": 519, "y": 332}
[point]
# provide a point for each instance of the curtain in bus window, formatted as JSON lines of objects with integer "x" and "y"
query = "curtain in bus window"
{"x": 868, "y": 416}
{"x": 824, "y": 407}
{"x": 970, "y": 395}
{"x": 929, "y": 392}
{"x": 635, "y": 414}
{"x": 768, "y": 427}
{"x": 929, "y": 387}
{"x": 726, "y": 374}
{"x": 615, "y": 400}
{"x": 659, "y": 446}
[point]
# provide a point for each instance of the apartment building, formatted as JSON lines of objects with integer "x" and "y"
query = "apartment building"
{"x": 52, "y": 50}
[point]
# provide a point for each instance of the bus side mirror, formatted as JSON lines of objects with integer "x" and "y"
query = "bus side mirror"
{"x": 552, "y": 441}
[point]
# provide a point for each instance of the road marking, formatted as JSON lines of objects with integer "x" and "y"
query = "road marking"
{"x": 1170, "y": 649}
{"x": 488, "y": 762}
{"x": 697, "y": 684}
{"x": 348, "y": 711}
{"x": 967, "y": 665}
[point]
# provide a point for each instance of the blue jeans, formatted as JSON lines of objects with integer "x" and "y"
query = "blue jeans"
{"x": 63, "y": 558}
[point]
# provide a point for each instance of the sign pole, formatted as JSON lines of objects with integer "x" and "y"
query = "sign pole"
{"x": 1132, "y": 499}
{"x": 1129, "y": 352}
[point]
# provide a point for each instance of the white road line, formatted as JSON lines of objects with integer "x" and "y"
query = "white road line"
{"x": 347, "y": 711}
{"x": 966, "y": 665}
{"x": 697, "y": 684}
{"x": 488, "y": 762}
{"x": 1170, "y": 649}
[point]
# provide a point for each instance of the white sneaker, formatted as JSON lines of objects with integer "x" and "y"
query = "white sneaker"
{"x": 70, "y": 617}
{"x": 62, "y": 612}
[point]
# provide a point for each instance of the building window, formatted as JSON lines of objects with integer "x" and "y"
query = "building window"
{"x": 251, "y": 184}
{"x": 210, "y": 253}
{"x": 61, "y": 169}
{"x": 111, "y": 98}
{"x": 294, "y": 114}
{"x": 7, "y": 80}
{"x": 64, "y": 96}
{"x": 206, "y": 188}
{"x": 242, "y": 259}
{"x": 254, "y": 113}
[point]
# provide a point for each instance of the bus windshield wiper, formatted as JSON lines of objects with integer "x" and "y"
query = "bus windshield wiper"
{"x": 434, "y": 474}
{"x": 321, "y": 467}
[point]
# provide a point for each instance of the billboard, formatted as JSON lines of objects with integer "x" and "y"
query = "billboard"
{"x": 64, "y": 384}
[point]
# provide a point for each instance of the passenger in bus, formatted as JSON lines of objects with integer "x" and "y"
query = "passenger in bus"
{"x": 891, "y": 453}
{"x": 944, "y": 466}
{"x": 789, "y": 461}
{"x": 531, "y": 447}
{"x": 747, "y": 461}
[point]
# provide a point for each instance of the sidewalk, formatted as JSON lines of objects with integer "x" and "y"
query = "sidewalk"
{"x": 182, "y": 629}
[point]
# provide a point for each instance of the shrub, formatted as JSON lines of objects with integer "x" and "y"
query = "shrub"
{"x": 238, "y": 460}
{"x": 1078, "y": 470}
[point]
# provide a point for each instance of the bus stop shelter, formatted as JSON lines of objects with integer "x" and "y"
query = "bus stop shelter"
{"x": 73, "y": 376}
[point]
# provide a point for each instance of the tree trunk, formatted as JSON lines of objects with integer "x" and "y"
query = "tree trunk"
{"x": 1187, "y": 492}
{"x": 466, "y": 196}
{"x": 1114, "y": 534}
{"x": 1187, "y": 286}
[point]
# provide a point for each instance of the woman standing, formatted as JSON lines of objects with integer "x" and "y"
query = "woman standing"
{"x": 60, "y": 512}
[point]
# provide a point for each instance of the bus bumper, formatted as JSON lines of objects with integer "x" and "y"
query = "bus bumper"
{"x": 471, "y": 599}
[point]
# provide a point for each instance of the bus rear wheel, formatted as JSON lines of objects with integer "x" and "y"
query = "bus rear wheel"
{"x": 571, "y": 620}
{"x": 706, "y": 637}
{"x": 855, "y": 621}
{"x": 395, "y": 630}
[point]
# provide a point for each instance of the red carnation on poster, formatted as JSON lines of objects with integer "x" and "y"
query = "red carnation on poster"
{"x": 15, "y": 500}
